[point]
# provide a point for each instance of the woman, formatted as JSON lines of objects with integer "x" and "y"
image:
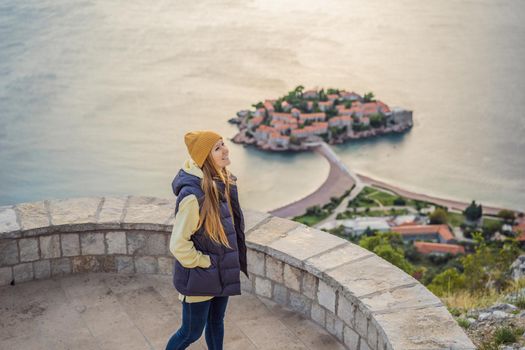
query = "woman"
{"x": 207, "y": 240}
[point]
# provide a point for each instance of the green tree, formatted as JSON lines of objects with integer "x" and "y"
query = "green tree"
{"x": 368, "y": 97}
{"x": 507, "y": 215}
{"x": 377, "y": 120}
{"x": 489, "y": 266}
{"x": 314, "y": 210}
{"x": 447, "y": 282}
{"x": 438, "y": 217}
{"x": 258, "y": 105}
{"x": 490, "y": 227}
{"x": 299, "y": 90}
{"x": 473, "y": 212}
{"x": 390, "y": 247}
{"x": 322, "y": 95}
{"x": 399, "y": 201}
{"x": 278, "y": 106}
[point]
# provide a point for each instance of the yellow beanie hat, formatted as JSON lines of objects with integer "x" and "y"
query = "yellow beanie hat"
{"x": 200, "y": 143}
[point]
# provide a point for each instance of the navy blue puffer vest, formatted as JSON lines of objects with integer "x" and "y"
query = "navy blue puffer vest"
{"x": 222, "y": 278}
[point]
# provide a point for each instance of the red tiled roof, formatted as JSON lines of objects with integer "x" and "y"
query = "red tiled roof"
{"x": 428, "y": 247}
{"x": 257, "y": 120}
{"x": 268, "y": 105}
{"x": 520, "y": 227}
{"x": 313, "y": 115}
{"x": 279, "y": 114}
{"x": 442, "y": 230}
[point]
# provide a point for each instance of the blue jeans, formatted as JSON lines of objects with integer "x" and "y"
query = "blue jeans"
{"x": 195, "y": 316}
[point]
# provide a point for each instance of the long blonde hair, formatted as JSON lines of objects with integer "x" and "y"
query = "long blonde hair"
{"x": 210, "y": 211}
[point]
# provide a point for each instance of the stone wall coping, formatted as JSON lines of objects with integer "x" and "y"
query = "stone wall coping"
{"x": 402, "y": 310}
{"x": 86, "y": 214}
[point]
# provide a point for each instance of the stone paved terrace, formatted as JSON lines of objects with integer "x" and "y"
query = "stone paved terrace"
{"x": 55, "y": 250}
{"x": 126, "y": 312}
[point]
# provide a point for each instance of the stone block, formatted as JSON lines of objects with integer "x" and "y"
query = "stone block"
{"x": 380, "y": 275}
{"x": 8, "y": 252}
{"x": 149, "y": 210}
{"x": 343, "y": 254}
{"x": 33, "y": 215}
{"x": 363, "y": 345}
{"x": 50, "y": 246}
{"x": 61, "y": 266}
{"x": 309, "y": 285}
{"x": 116, "y": 242}
{"x": 274, "y": 269}
{"x": 401, "y": 298}
{"x": 93, "y": 263}
{"x": 146, "y": 243}
{"x": 112, "y": 210}
{"x": 300, "y": 303}
{"x": 301, "y": 243}
{"x": 28, "y": 249}
{"x": 6, "y": 275}
{"x": 326, "y": 296}
{"x": 8, "y": 222}
{"x": 271, "y": 230}
{"x": 125, "y": 264}
{"x": 318, "y": 314}
{"x": 372, "y": 336}
{"x": 345, "y": 310}
{"x": 247, "y": 283}
{"x": 146, "y": 264}
{"x": 351, "y": 338}
{"x": 87, "y": 263}
{"x": 23, "y": 272}
{"x": 263, "y": 287}
{"x": 425, "y": 328}
{"x": 292, "y": 277}
{"x": 42, "y": 269}
{"x": 280, "y": 294}
{"x": 136, "y": 243}
{"x": 107, "y": 262}
{"x": 166, "y": 265}
{"x": 70, "y": 244}
{"x": 92, "y": 244}
{"x": 156, "y": 244}
{"x": 74, "y": 210}
{"x": 334, "y": 325}
{"x": 253, "y": 218}
{"x": 361, "y": 323}
{"x": 255, "y": 262}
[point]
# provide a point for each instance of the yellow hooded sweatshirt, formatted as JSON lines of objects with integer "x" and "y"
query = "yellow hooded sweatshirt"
{"x": 184, "y": 226}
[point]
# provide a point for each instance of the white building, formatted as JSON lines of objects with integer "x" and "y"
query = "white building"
{"x": 359, "y": 225}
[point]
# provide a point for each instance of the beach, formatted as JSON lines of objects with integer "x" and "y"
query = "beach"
{"x": 340, "y": 179}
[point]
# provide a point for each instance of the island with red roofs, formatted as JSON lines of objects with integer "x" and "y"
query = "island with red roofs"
{"x": 301, "y": 117}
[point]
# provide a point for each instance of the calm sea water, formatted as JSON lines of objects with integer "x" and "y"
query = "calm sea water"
{"x": 95, "y": 96}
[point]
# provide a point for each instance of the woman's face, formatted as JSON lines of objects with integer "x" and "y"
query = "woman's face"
{"x": 219, "y": 153}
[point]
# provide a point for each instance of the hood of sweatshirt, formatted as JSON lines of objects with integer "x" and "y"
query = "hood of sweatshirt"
{"x": 189, "y": 175}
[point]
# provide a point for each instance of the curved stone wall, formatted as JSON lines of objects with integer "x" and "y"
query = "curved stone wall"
{"x": 358, "y": 297}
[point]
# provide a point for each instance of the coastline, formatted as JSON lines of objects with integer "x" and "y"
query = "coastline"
{"x": 451, "y": 204}
{"x": 339, "y": 180}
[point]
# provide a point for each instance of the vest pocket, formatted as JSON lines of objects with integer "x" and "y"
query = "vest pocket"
{"x": 205, "y": 280}
{"x": 181, "y": 273}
